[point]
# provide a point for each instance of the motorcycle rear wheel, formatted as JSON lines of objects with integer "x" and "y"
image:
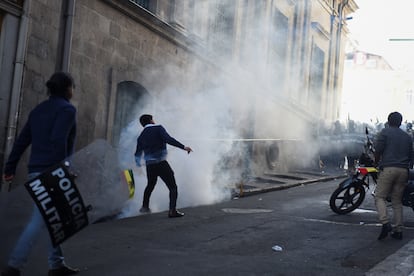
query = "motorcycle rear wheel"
{"x": 346, "y": 199}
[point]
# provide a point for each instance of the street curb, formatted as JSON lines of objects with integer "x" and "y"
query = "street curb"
{"x": 255, "y": 191}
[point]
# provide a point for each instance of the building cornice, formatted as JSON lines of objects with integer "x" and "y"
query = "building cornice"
{"x": 152, "y": 22}
{"x": 321, "y": 30}
{"x": 13, "y": 7}
{"x": 352, "y": 7}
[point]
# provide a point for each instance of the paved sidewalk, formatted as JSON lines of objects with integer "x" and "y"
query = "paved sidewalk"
{"x": 399, "y": 263}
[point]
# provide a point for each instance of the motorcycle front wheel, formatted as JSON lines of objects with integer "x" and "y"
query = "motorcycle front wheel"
{"x": 346, "y": 199}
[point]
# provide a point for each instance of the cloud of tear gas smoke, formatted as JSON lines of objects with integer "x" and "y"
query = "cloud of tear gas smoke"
{"x": 240, "y": 100}
{"x": 194, "y": 172}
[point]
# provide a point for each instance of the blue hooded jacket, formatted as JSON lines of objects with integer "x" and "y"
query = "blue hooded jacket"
{"x": 50, "y": 130}
{"x": 153, "y": 142}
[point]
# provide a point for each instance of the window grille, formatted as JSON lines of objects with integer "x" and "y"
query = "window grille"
{"x": 142, "y": 3}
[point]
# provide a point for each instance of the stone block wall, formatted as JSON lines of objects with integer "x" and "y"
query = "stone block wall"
{"x": 42, "y": 52}
{"x": 110, "y": 47}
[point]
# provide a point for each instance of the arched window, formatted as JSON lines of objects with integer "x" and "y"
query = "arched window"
{"x": 316, "y": 79}
{"x": 279, "y": 47}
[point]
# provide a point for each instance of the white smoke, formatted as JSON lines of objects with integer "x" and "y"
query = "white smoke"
{"x": 198, "y": 126}
{"x": 209, "y": 109}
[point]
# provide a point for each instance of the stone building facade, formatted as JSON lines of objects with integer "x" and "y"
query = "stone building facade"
{"x": 128, "y": 56}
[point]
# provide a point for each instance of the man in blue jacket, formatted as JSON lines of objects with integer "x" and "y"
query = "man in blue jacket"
{"x": 50, "y": 130}
{"x": 152, "y": 142}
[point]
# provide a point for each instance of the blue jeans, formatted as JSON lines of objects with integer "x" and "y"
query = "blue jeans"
{"x": 33, "y": 229}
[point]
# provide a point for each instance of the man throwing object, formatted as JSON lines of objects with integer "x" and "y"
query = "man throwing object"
{"x": 152, "y": 142}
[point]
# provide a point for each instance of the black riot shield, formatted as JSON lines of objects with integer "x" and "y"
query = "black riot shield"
{"x": 59, "y": 202}
{"x": 101, "y": 190}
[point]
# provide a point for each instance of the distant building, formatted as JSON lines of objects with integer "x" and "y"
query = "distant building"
{"x": 372, "y": 89}
{"x": 367, "y": 61}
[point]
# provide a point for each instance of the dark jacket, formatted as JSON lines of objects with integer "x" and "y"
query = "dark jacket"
{"x": 51, "y": 130}
{"x": 394, "y": 148}
{"x": 153, "y": 142}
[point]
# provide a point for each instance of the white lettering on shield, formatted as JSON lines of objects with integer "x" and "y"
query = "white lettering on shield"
{"x": 72, "y": 198}
{"x": 45, "y": 201}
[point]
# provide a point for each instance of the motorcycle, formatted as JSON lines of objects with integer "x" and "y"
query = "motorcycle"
{"x": 351, "y": 192}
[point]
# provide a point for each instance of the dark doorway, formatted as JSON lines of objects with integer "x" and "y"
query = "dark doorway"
{"x": 131, "y": 99}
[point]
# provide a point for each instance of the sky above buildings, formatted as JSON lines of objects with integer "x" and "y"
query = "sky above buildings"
{"x": 385, "y": 28}
{"x": 379, "y": 25}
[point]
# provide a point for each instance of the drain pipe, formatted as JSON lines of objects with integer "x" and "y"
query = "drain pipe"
{"x": 67, "y": 39}
{"x": 341, "y": 10}
{"x": 16, "y": 89}
{"x": 338, "y": 37}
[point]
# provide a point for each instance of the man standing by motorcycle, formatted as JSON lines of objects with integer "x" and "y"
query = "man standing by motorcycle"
{"x": 393, "y": 154}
